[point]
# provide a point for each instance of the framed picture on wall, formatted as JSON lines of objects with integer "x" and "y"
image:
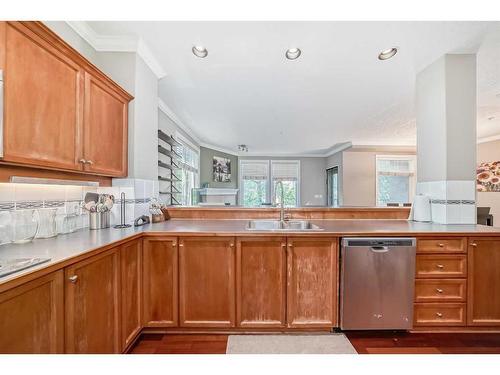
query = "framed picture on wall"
{"x": 488, "y": 177}
{"x": 221, "y": 169}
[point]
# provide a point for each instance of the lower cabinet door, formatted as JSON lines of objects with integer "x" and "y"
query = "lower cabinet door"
{"x": 312, "y": 297}
{"x": 261, "y": 282}
{"x": 207, "y": 282}
{"x": 483, "y": 298}
{"x": 131, "y": 290}
{"x": 32, "y": 317}
{"x": 92, "y": 304}
{"x": 160, "y": 286}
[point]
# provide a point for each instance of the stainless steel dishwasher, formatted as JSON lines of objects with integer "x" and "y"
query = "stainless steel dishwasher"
{"x": 377, "y": 283}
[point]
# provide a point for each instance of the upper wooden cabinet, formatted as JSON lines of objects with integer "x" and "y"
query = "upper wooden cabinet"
{"x": 92, "y": 305}
{"x": 483, "y": 289}
{"x": 207, "y": 282}
{"x": 105, "y": 129}
{"x": 261, "y": 282}
{"x": 60, "y": 111}
{"x": 312, "y": 293}
{"x": 32, "y": 316}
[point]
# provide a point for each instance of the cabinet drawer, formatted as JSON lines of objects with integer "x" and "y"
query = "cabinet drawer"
{"x": 439, "y": 314}
{"x": 441, "y": 266}
{"x": 437, "y": 290}
{"x": 442, "y": 245}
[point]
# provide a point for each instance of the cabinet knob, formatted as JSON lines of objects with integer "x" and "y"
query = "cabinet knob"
{"x": 439, "y": 290}
{"x": 231, "y": 245}
{"x": 73, "y": 278}
{"x": 290, "y": 245}
{"x": 89, "y": 162}
{"x": 174, "y": 244}
{"x": 83, "y": 161}
{"x": 441, "y": 245}
{"x": 473, "y": 244}
{"x": 181, "y": 244}
{"x": 283, "y": 245}
{"x": 440, "y": 266}
{"x": 439, "y": 315}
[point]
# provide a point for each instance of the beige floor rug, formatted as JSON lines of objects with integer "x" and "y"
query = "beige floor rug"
{"x": 335, "y": 343}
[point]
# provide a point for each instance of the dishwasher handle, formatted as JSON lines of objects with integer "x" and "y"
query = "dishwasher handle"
{"x": 379, "y": 249}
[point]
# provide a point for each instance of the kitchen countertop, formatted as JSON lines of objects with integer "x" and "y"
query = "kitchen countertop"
{"x": 63, "y": 248}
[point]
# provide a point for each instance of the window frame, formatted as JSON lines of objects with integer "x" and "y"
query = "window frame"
{"x": 196, "y": 149}
{"x": 413, "y": 178}
{"x": 269, "y": 185}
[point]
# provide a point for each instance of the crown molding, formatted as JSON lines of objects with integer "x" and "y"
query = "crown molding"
{"x": 162, "y": 106}
{"x": 115, "y": 43}
{"x": 489, "y": 139}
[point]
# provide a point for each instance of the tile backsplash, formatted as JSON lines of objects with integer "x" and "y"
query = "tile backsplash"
{"x": 452, "y": 202}
{"x": 67, "y": 199}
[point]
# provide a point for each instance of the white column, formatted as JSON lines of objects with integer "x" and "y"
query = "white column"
{"x": 446, "y": 138}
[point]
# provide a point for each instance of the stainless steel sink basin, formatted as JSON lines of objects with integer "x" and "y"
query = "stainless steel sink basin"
{"x": 297, "y": 225}
{"x": 8, "y": 266}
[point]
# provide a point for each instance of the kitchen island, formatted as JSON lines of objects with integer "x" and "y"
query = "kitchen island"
{"x": 101, "y": 289}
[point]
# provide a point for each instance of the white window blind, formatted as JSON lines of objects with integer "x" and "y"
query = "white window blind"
{"x": 254, "y": 170}
{"x": 285, "y": 170}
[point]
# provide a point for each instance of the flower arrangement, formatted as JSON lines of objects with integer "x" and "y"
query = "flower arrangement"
{"x": 488, "y": 177}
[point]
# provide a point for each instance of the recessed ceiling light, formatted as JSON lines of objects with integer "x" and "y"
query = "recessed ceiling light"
{"x": 200, "y": 51}
{"x": 388, "y": 53}
{"x": 293, "y": 53}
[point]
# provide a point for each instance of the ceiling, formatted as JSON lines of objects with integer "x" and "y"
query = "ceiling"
{"x": 247, "y": 92}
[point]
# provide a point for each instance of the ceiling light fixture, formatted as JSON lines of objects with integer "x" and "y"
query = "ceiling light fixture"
{"x": 387, "y": 54}
{"x": 293, "y": 53}
{"x": 243, "y": 148}
{"x": 200, "y": 51}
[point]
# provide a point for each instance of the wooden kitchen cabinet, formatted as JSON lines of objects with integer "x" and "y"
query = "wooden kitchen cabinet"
{"x": 312, "y": 284}
{"x": 105, "y": 129}
{"x": 483, "y": 299}
{"x": 60, "y": 111}
{"x": 160, "y": 282}
{"x": 43, "y": 104}
{"x": 261, "y": 282}
{"x": 131, "y": 291}
{"x": 32, "y": 316}
{"x": 92, "y": 304}
{"x": 207, "y": 281}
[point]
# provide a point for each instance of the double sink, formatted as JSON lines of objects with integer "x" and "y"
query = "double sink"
{"x": 282, "y": 225}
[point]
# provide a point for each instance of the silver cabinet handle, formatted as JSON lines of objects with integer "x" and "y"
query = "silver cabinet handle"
{"x": 174, "y": 244}
{"x": 83, "y": 161}
{"x": 439, "y": 290}
{"x": 440, "y": 266}
{"x": 73, "y": 278}
{"x": 439, "y": 315}
{"x": 441, "y": 245}
{"x": 473, "y": 244}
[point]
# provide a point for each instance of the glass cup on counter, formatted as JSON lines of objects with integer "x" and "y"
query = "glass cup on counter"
{"x": 24, "y": 225}
{"x": 47, "y": 227}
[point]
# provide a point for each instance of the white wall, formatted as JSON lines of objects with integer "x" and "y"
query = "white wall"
{"x": 486, "y": 152}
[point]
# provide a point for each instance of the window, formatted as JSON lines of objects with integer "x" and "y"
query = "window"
{"x": 332, "y": 186}
{"x": 260, "y": 182}
{"x": 286, "y": 173}
{"x": 395, "y": 179}
{"x": 254, "y": 181}
{"x": 188, "y": 172}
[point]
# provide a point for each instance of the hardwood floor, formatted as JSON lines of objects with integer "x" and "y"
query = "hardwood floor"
{"x": 378, "y": 342}
{"x": 381, "y": 342}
